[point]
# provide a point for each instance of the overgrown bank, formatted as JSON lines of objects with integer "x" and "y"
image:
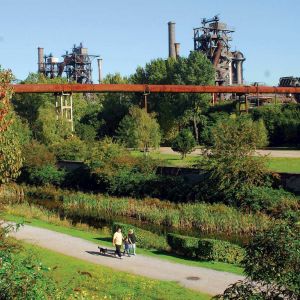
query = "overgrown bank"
{"x": 202, "y": 216}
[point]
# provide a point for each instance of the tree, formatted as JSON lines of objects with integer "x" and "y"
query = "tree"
{"x": 114, "y": 107}
{"x": 272, "y": 266}
{"x": 184, "y": 143}
{"x": 10, "y": 145}
{"x": 139, "y": 129}
{"x": 230, "y": 162}
{"x": 181, "y": 109}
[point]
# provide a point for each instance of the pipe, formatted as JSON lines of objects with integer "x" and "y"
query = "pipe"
{"x": 171, "y": 28}
{"x": 40, "y": 60}
{"x": 141, "y": 88}
{"x": 177, "y": 49}
{"x": 217, "y": 53}
{"x": 100, "y": 60}
{"x": 239, "y": 71}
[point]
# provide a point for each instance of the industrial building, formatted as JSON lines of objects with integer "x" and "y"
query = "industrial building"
{"x": 213, "y": 38}
{"x": 76, "y": 65}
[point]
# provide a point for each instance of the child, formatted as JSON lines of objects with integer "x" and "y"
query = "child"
{"x": 126, "y": 246}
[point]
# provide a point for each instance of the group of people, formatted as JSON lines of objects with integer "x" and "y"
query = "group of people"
{"x": 129, "y": 243}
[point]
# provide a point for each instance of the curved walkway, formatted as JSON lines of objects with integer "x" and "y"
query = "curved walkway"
{"x": 210, "y": 281}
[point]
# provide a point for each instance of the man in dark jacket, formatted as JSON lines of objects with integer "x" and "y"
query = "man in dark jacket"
{"x": 132, "y": 241}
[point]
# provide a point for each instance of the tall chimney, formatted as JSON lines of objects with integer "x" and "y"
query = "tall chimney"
{"x": 40, "y": 60}
{"x": 100, "y": 69}
{"x": 171, "y": 27}
{"x": 177, "y": 49}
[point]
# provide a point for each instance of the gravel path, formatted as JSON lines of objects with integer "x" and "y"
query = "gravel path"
{"x": 210, "y": 281}
{"x": 270, "y": 153}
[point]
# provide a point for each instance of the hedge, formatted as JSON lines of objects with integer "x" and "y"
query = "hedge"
{"x": 206, "y": 249}
{"x": 145, "y": 239}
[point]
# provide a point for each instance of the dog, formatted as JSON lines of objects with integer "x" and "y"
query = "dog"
{"x": 102, "y": 250}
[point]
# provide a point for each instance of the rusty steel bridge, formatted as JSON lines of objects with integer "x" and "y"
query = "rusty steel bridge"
{"x": 149, "y": 88}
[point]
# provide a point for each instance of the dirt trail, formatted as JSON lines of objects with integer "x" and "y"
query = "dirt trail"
{"x": 210, "y": 281}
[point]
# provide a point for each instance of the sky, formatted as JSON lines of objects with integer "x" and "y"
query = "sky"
{"x": 130, "y": 33}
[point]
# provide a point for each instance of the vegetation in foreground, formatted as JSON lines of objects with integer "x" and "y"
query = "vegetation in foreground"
{"x": 272, "y": 266}
{"x": 39, "y": 217}
{"x": 30, "y": 272}
{"x": 89, "y": 281}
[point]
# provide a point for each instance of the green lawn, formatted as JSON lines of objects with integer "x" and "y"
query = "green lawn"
{"x": 277, "y": 164}
{"x": 170, "y": 160}
{"x": 283, "y": 164}
{"x": 105, "y": 240}
{"x": 89, "y": 281}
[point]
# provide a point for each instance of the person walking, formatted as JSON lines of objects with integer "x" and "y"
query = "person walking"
{"x": 117, "y": 242}
{"x": 132, "y": 241}
{"x": 126, "y": 247}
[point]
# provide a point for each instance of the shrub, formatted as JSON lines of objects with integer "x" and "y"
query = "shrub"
{"x": 117, "y": 172}
{"x": 207, "y": 249}
{"x": 71, "y": 148}
{"x": 272, "y": 266}
{"x": 183, "y": 245}
{"x": 21, "y": 275}
{"x": 184, "y": 143}
{"x": 145, "y": 239}
{"x": 46, "y": 175}
{"x": 273, "y": 257}
{"x": 218, "y": 250}
{"x": 275, "y": 202}
{"x": 37, "y": 155}
{"x": 282, "y": 123}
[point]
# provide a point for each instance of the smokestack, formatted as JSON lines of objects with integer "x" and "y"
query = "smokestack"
{"x": 177, "y": 49}
{"x": 171, "y": 27}
{"x": 40, "y": 60}
{"x": 100, "y": 69}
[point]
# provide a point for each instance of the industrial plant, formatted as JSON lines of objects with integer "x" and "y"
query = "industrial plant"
{"x": 213, "y": 40}
{"x": 76, "y": 65}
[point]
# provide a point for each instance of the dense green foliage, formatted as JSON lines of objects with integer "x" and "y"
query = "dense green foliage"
{"x": 204, "y": 217}
{"x": 275, "y": 202}
{"x": 40, "y": 165}
{"x": 139, "y": 130}
{"x": 10, "y": 140}
{"x": 145, "y": 239}
{"x": 282, "y": 123}
{"x": 206, "y": 249}
{"x": 118, "y": 172}
{"x": 182, "y": 109}
{"x": 272, "y": 266}
{"x": 230, "y": 163}
{"x": 184, "y": 143}
{"x": 21, "y": 275}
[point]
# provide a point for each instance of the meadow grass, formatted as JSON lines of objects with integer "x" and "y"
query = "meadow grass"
{"x": 207, "y": 218}
{"x": 30, "y": 216}
{"x": 84, "y": 280}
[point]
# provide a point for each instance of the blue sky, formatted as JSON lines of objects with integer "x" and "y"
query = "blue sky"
{"x": 130, "y": 33}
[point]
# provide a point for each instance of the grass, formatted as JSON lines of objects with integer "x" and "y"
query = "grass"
{"x": 170, "y": 160}
{"x": 283, "y": 164}
{"x": 104, "y": 239}
{"x": 276, "y": 164}
{"x": 89, "y": 281}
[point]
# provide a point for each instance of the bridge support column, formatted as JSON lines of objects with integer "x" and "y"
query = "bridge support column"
{"x": 64, "y": 107}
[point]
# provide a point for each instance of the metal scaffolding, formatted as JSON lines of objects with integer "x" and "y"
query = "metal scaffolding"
{"x": 64, "y": 108}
